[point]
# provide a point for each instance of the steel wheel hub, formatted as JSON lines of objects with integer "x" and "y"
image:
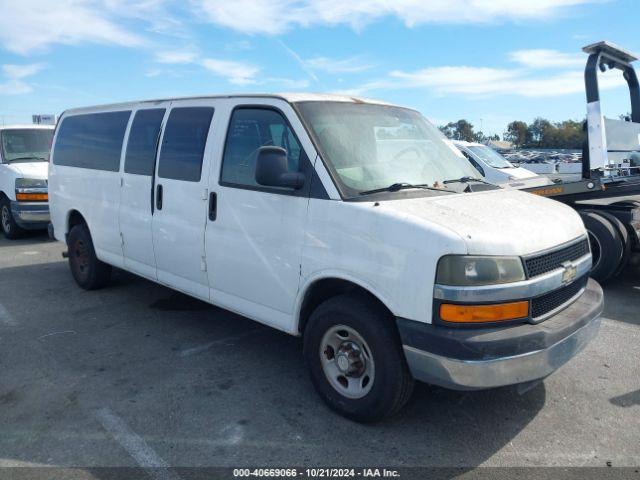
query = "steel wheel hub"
{"x": 347, "y": 361}
{"x": 5, "y": 219}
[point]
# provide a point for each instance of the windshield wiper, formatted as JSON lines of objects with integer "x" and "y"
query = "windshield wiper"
{"x": 26, "y": 158}
{"x": 395, "y": 187}
{"x": 466, "y": 180}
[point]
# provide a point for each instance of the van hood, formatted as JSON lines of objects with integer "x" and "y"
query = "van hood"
{"x": 35, "y": 170}
{"x": 496, "y": 222}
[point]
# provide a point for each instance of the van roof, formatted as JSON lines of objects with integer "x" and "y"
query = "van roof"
{"x": 34, "y": 126}
{"x": 288, "y": 97}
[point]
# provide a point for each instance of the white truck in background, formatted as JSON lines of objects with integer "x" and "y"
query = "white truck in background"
{"x": 24, "y": 157}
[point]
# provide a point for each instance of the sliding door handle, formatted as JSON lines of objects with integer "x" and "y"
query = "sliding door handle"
{"x": 159, "y": 197}
{"x": 213, "y": 206}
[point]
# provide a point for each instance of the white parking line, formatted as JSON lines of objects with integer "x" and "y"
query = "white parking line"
{"x": 6, "y": 318}
{"x": 135, "y": 445}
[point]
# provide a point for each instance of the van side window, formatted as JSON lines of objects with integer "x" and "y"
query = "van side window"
{"x": 250, "y": 129}
{"x": 91, "y": 141}
{"x": 185, "y": 137}
{"x": 143, "y": 140}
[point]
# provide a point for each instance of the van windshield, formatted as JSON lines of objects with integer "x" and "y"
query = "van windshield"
{"x": 490, "y": 156}
{"x": 26, "y": 144}
{"x": 373, "y": 146}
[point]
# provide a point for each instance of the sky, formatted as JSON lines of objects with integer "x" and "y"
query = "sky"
{"x": 488, "y": 61}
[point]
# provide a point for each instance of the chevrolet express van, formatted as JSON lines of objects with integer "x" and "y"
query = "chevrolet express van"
{"x": 24, "y": 156}
{"x": 496, "y": 169}
{"x": 352, "y": 223}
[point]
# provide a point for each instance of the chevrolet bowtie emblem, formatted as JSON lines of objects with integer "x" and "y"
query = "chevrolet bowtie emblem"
{"x": 570, "y": 272}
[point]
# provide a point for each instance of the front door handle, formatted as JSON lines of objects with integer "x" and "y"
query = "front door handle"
{"x": 213, "y": 206}
{"x": 159, "y": 197}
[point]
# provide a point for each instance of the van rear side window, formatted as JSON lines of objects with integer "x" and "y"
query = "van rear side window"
{"x": 91, "y": 141}
{"x": 143, "y": 142}
{"x": 185, "y": 137}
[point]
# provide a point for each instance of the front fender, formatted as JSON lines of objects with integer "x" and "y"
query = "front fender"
{"x": 334, "y": 274}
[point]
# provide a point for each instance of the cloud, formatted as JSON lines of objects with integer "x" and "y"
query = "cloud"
{"x": 540, "y": 58}
{"x": 333, "y": 65}
{"x": 238, "y": 73}
{"x": 539, "y": 73}
{"x": 188, "y": 55}
{"x": 33, "y": 25}
{"x": 15, "y": 76}
{"x": 235, "y": 72}
{"x": 277, "y": 16}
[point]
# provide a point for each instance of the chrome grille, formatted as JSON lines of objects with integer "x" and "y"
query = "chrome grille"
{"x": 550, "y": 301}
{"x": 547, "y": 262}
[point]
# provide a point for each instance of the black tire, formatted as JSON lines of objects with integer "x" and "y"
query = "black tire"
{"x": 624, "y": 235}
{"x": 88, "y": 272}
{"x": 8, "y": 224}
{"x": 606, "y": 245}
{"x": 392, "y": 384}
{"x": 627, "y": 203}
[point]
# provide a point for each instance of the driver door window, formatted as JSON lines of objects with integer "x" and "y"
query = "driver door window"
{"x": 250, "y": 129}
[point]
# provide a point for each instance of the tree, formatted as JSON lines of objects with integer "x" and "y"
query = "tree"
{"x": 537, "y": 131}
{"x": 517, "y": 133}
{"x": 460, "y": 130}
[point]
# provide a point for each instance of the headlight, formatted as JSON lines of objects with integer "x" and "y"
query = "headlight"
{"x": 30, "y": 183}
{"x": 31, "y": 190}
{"x": 467, "y": 270}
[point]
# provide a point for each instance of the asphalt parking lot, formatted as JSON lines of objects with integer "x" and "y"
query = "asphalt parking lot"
{"x": 137, "y": 374}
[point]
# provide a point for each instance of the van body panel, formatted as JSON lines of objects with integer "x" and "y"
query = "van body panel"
{"x": 179, "y": 222}
{"x": 254, "y": 245}
{"x": 135, "y": 212}
{"x": 390, "y": 253}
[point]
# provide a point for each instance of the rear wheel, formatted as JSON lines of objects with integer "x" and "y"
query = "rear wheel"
{"x": 88, "y": 272}
{"x": 10, "y": 228}
{"x": 606, "y": 245}
{"x": 624, "y": 236}
{"x": 355, "y": 358}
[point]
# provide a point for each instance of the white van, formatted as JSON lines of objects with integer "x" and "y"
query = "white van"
{"x": 24, "y": 156}
{"x": 349, "y": 222}
{"x": 496, "y": 169}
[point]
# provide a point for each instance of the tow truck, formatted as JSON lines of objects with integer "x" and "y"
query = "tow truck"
{"x": 610, "y": 168}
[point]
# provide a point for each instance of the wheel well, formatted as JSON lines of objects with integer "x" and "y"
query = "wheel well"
{"x": 325, "y": 289}
{"x": 75, "y": 218}
{"x": 2, "y": 195}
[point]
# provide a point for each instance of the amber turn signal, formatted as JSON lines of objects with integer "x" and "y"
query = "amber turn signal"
{"x": 32, "y": 197}
{"x": 498, "y": 312}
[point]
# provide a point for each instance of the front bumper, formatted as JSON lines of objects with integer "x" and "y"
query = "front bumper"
{"x": 31, "y": 215}
{"x": 480, "y": 358}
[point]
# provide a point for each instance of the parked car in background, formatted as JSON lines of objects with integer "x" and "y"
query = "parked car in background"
{"x": 350, "y": 222}
{"x": 24, "y": 156}
{"x": 497, "y": 170}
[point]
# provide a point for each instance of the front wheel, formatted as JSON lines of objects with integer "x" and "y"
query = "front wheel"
{"x": 355, "y": 358}
{"x": 88, "y": 272}
{"x": 10, "y": 228}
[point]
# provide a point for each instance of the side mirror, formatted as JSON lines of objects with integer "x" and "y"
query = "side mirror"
{"x": 272, "y": 170}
